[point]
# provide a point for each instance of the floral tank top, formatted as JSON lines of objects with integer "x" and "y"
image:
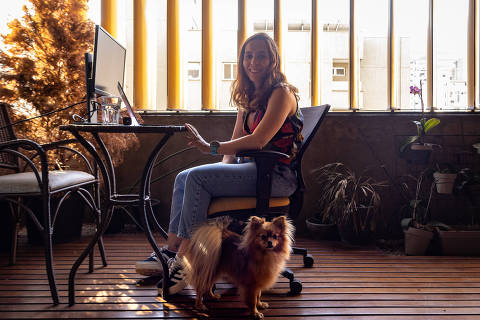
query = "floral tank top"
{"x": 287, "y": 140}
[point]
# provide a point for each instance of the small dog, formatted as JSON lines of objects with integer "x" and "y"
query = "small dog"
{"x": 251, "y": 261}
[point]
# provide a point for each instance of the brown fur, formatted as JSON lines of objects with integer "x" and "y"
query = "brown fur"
{"x": 251, "y": 261}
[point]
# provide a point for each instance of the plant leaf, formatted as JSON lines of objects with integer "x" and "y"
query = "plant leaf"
{"x": 408, "y": 141}
{"x": 430, "y": 124}
{"x": 405, "y": 223}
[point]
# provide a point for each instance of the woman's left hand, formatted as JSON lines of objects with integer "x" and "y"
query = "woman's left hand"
{"x": 196, "y": 140}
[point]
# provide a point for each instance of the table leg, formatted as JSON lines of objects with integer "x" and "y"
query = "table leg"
{"x": 81, "y": 258}
{"x": 144, "y": 199}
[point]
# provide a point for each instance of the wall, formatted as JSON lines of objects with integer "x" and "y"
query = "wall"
{"x": 359, "y": 140}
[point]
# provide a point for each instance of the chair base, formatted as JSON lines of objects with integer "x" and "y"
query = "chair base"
{"x": 307, "y": 258}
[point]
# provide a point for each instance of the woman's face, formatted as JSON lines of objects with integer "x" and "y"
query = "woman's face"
{"x": 256, "y": 61}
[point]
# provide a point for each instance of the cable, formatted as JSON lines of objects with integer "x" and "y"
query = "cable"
{"x": 79, "y": 118}
{"x": 43, "y": 115}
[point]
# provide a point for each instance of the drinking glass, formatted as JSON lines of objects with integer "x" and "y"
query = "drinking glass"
{"x": 110, "y": 106}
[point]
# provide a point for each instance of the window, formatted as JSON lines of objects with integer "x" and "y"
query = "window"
{"x": 334, "y": 44}
{"x": 450, "y": 79}
{"x": 340, "y": 71}
{"x": 410, "y": 57}
{"x": 229, "y": 71}
{"x": 193, "y": 71}
{"x": 450, "y": 55}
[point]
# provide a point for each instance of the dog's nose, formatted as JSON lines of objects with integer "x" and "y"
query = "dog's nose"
{"x": 269, "y": 244}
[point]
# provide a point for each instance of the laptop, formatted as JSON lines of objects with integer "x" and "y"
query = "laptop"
{"x": 127, "y": 105}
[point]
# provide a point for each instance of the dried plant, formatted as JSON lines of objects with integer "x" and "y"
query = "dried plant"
{"x": 347, "y": 199}
{"x": 42, "y": 70}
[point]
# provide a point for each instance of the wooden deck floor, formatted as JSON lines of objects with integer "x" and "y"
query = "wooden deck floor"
{"x": 345, "y": 283}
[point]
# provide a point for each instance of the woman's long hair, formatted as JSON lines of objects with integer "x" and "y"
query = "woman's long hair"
{"x": 243, "y": 90}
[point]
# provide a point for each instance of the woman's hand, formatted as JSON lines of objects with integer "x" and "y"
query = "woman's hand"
{"x": 196, "y": 140}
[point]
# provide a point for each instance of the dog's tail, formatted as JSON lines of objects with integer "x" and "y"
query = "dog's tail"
{"x": 202, "y": 256}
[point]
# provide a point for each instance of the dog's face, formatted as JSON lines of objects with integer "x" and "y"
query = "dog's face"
{"x": 268, "y": 235}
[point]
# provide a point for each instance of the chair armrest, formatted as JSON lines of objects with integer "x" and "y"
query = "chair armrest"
{"x": 22, "y": 143}
{"x": 12, "y": 146}
{"x": 263, "y": 154}
{"x": 61, "y": 145}
{"x": 53, "y": 145}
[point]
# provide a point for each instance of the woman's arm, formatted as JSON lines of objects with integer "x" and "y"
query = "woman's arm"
{"x": 282, "y": 104}
{"x": 237, "y": 133}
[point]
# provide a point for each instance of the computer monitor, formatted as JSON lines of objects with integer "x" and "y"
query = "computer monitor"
{"x": 107, "y": 68}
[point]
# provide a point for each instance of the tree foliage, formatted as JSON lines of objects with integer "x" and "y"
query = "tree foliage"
{"x": 42, "y": 69}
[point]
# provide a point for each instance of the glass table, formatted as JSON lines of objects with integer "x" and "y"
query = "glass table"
{"x": 111, "y": 198}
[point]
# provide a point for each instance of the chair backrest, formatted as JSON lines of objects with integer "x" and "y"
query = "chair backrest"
{"x": 6, "y": 134}
{"x": 312, "y": 118}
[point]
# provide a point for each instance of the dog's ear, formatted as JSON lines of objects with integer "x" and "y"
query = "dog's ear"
{"x": 280, "y": 222}
{"x": 255, "y": 222}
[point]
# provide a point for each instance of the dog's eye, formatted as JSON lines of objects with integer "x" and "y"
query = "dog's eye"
{"x": 264, "y": 237}
{"x": 274, "y": 237}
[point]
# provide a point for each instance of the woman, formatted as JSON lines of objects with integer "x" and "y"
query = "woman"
{"x": 268, "y": 118}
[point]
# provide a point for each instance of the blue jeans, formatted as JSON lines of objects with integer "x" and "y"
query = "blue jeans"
{"x": 195, "y": 187}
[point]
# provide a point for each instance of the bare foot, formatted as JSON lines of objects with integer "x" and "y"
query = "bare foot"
{"x": 262, "y": 305}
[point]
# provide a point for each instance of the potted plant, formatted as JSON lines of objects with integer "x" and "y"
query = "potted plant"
{"x": 43, "y": 73}
{"x": 464, "y": 239}
{"x": 350, "y": 201}
{"x": 444, "y": 178}
{"x": 414, "y": 149}
{"x": 418, "y": 228}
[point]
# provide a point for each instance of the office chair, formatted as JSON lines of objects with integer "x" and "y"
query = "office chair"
{"x": 242, "y": 208}
{"x": 31, "y": 178}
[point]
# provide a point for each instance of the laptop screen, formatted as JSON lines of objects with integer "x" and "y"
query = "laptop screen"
{"x": 127, "y": 104}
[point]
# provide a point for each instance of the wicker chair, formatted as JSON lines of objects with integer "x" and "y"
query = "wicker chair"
{"x": 31, "y": 177}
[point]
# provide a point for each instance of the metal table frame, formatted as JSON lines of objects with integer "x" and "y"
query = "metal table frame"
{"x": 112, "y": 198}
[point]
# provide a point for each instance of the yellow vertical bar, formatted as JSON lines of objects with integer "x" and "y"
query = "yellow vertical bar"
{"x": 477, "y": 54}
{"x": 278, "y": 29}
{"x": 471, "y": 70}
{"x": 140, "y": 83}
{"x": 109, "y": 16}
{"x": 173, "y": 55}
{"x": 353, "y": 92}
{"x": 315, "y": 55}
{"x": 208, "y": 85}
{"x": 242, "y": 24}
{"x": 430, "y": 58}
{"x": 391, "y": 57}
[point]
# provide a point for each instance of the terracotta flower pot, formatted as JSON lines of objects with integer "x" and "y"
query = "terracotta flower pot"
{"x": 417, "y": 241}
{"x": 444, "y": 182}
{"x": 460, "y": 242}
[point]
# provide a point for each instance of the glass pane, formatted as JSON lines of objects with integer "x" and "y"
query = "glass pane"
{"x": 296, "y": 47}
{"x": 372, "y": 35}
{"x": 260, "y": 16}
{"x": 225, "y": 35}
{"x": 450, "y": 54}
{"x": 334, "y": 40}
{"x": 191, "y": 47}
{"x": 411, "y": 49}
{"x": 227, "y": 74}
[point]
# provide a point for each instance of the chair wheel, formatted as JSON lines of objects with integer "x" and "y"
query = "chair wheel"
{"x": 308, "y": 260}
{"x": 295, "y": 286}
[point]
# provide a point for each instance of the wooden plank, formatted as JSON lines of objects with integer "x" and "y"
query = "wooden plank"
{"x": 345, "y": 283}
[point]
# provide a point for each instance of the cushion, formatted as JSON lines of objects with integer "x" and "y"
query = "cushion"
{"x": 242, "y": 203}
{"x": 26, "y": 182}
